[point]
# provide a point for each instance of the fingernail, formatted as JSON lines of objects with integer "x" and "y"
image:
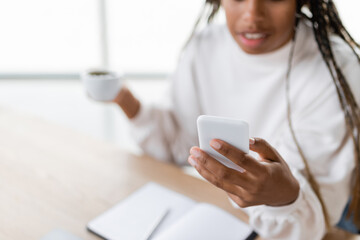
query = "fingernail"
{"x": 195, "y": 153}
{"x": 252, "y": 141}
{"x": 192, "y": 161}
{"x": 215, "y": 144}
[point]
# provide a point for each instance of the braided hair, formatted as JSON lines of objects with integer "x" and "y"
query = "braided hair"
{"x": 326, "y": 22}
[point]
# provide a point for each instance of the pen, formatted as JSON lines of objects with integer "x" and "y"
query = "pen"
{"x": 252, "y": 236}
{"x": 149, "y": 234}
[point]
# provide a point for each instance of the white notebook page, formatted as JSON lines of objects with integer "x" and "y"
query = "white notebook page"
{"x": 134, "y": 216}
{"x": 206, "y": 221}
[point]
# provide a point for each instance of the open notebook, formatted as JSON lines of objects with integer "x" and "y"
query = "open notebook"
{"x": 181, "y": 218}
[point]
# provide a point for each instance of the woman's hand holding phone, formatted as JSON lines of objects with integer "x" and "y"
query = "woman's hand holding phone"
{"x": 266, "y": 181}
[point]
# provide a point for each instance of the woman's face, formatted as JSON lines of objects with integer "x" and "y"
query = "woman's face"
{"x": 260, "y": 26}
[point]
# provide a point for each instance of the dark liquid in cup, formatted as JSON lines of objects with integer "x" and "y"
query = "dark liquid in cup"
{"x": 99, "y": 73}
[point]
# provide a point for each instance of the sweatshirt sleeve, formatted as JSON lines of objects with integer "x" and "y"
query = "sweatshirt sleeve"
{"x": 167, "y": 130}
{"x": 322, "y": 133}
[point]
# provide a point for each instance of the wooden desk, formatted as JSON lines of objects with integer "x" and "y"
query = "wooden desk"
{"x": 52, "y": 177}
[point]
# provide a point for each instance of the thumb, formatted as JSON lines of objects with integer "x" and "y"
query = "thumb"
{"x": 264, "y": 149}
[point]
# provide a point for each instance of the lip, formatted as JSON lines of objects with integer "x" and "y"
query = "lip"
{"x": 252, "y": 43}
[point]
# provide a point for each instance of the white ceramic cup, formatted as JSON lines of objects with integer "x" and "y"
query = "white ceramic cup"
{"x": 101, "y": 85}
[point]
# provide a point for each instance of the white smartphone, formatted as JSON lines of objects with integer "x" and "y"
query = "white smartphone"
{"x": 231, "y": 130}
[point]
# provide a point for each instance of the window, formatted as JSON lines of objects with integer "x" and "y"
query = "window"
{"x": 64, "y": 36}
{"x": 148, "y": 35}
{"x": 48, "y": 36}
{"x": 61, "y": 36}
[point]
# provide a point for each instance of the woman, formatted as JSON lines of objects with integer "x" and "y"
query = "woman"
{"x": 294, "y": 77}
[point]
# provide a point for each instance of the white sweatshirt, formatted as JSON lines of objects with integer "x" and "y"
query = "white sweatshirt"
{"x": 216, "y": 77}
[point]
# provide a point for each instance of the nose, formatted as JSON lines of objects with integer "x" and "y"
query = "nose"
{"x": 254, "y": 11}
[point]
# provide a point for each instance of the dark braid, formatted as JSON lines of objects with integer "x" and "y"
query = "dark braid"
{"x": 338, "y": 28}
{"x": 215, "y": 4}
{"x": 326, "y": 21}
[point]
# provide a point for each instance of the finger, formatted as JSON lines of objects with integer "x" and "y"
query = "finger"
{"x": 220, "y": 170}
{"x": 237, "y": 156}
{"x": 264, "y": 149}
{"x": 213, "y": 179}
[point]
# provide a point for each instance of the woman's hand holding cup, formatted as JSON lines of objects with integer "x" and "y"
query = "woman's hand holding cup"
{"x": 102, "y": 85}
{"x": 108, "y": 86}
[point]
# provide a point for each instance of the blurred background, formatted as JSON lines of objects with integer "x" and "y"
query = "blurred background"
{"x": 45, "y": 44}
